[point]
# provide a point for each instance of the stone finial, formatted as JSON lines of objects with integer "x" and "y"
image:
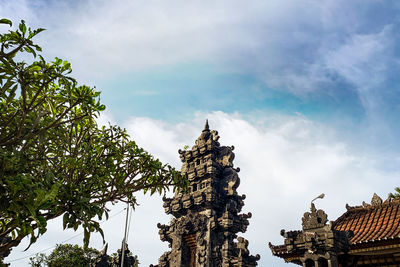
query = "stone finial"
{"x": 388, "y": 199}
{"x": 376, "y": 200}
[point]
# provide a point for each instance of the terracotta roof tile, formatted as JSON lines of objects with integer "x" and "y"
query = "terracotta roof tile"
{"x": 371, "y": 222}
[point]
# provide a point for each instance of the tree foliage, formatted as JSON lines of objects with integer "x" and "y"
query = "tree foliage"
{"x": 54, "y": 159}
{"x": 38, "y": 261}
{"x": 65, "y": 255}
{"x": 396, "y": 194}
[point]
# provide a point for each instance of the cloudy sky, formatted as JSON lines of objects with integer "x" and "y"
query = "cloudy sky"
{"x": 307, "y": 91}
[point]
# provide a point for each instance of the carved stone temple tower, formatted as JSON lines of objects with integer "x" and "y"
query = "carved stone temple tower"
{"x": 206, "y": 220}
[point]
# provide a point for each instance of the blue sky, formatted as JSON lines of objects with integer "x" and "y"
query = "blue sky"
{"x": 308, "y": 88}
{"x": 166, "y": 93}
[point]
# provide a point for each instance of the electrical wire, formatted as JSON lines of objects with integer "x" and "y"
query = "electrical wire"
{"x": 62, "y": 241}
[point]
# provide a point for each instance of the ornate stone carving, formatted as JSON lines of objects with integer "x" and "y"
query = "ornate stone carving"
{"x": 376, "y": 200}
{"x": 314, "y": 219}
{"x": 190, "y": 223}
{"x": 210, "y": 212}
{"x": 230, "y": 181}
{"x": 201, "y": 247}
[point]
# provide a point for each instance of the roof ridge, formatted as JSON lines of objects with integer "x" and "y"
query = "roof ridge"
{"x": 376, "y": 202}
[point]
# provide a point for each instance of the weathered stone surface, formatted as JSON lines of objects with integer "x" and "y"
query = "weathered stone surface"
{"x": 203, "y": 232}
{"x": 318, "y": 241}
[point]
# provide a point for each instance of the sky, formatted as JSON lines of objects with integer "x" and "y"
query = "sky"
{"x": 307, "y": 91}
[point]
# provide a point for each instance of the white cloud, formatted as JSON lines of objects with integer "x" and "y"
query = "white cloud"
{"x": 18, "y": 10}
{"x": 363, "y": 60}
{"x": 366, "y": 62}
{"x": 280, "y": 41}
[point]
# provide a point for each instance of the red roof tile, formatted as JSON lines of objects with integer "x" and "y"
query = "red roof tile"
{"x": 371, "y": 222}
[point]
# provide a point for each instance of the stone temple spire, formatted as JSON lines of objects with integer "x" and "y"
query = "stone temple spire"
{"x": 206, "y": 127}
{"x": 206, "y": 220}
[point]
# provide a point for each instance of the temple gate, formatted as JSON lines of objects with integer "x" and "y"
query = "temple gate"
{"x": 206, "y": 220}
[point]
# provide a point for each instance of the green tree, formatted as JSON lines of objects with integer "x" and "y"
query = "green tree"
{"x": 54, "y": 159}
{"x": 38, "y": 261}
{"x": 66, "y": 255}
{"x": 396, "y": 194}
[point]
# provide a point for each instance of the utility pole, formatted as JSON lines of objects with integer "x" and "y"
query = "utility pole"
{"x": 124, "y": 239}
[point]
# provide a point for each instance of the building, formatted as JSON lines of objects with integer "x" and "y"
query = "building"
{"x": 366, "y": 235}
{"x": 206, "y": 220}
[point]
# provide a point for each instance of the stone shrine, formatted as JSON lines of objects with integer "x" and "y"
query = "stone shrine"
{"x": 364, "y": 236}
{"x": 206, "y": 220}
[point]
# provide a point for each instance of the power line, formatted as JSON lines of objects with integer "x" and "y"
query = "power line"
{"x": 64, "y": 240}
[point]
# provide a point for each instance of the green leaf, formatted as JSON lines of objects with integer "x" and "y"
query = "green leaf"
{"x": 38, "y": 48}
{"x": 32, "y": 210}
{"x": 22, "y": 27}
{"x": 39, "y": 30}
{"x": 30, "y": 50}
{"x": 53, "y": 193}
{"x": 6, "y": 21}
{"x": 101, "y": 233}
{"x": 42, "y": 221}
{"x": 102, "y": 108}
{"x": 35, "y": 68}
{"x": 6, "y": 86}
{"x": 65, "y": 220}
{"x": 58, "y": 61}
